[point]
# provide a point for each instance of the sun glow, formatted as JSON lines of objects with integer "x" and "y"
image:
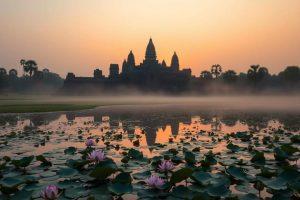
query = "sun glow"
{"x": 79, "y": 36}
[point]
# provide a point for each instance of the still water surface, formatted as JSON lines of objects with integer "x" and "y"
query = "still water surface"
{"x": 141, "y": 127}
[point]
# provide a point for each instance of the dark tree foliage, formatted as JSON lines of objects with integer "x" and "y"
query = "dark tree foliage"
{"x": 256, "y": 79}
{"x": 33, "y": 80}
{"x": 229, "y": 76}
{"x": 206, "y": 75}
{"x": 216, "y": 71}
{"x": 291, "y": 74}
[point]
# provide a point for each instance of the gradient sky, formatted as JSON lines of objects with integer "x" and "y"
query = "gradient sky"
{"x": 78, "y": 36}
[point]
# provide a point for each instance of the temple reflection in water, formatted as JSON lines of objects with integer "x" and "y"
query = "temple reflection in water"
{"x": 157, "y": 126}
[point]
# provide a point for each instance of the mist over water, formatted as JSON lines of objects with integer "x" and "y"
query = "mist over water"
{"x": 250, "y": 103}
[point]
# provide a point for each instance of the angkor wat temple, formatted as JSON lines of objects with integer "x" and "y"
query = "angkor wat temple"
{"x": 150, "y": 75}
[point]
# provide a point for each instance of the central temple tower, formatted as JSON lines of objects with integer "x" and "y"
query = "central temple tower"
{"x": 150, "y": 52}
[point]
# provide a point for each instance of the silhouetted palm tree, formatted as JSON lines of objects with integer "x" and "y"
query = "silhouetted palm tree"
{"x": 216, "y": 70}
{"x": 29, "y": 66}
{"x": 257, "y": 73}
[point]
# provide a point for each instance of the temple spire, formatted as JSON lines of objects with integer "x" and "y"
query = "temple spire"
{"x": 150, "y": 51}
{"x": 130, "y": 59}
{"x": 163, "y": 64}
{"x": 175, "y": 62}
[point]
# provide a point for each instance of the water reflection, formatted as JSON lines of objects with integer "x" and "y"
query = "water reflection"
{"x": 156, "y": 124}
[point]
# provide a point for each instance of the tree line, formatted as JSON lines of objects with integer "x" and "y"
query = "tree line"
{"x": 32, "y": 80}
{"x": 256, "y": 79}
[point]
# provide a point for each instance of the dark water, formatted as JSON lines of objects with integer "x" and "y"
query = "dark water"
{"x": 158, "y": 123}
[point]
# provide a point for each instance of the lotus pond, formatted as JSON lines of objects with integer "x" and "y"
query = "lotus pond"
{"x": 150, "y": 152}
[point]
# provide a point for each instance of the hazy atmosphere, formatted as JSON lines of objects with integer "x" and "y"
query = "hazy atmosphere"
{"x": 150, "y": 99}
{"x": 78, "y": 36}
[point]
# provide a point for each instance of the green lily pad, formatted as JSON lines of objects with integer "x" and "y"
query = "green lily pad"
{"x": 141, "y": 175}
{"x": 135, "y": 154}
{"x": 102, "y": 172}
{"x": 232, "y": 147}
{"x": 209, "y": 159}
{"x": 123, "y": 177}
{"x": 218, "y": 191}
{"x": 77, "y": 164}
{"x": 181, "y": 175}
{"x": 23, "y": 194}
{"x": 76, "y": 192}
{"x": 295, "y": 139}
{"x": 67, "y": 172}
{"x": 258, "y": 157}
{"x": 70, "y": 150}
{"x": 276, "y": 184}
{"x": 11, "y": 182}
{"x": 120, "y": 188}
{"x": 238, "y": 173}
{"x": 249, "y": 197}
{"x": 101, "y": 192}
{"x": 289, "y": 149}
{"x": 190, "y": 157}
{"x": 44, "y": 161}
{"x": 23, "y": 162}
{"x": 279, "y": 154}
{"x": 202, "y": 178}
{"x": 181, "y": 192}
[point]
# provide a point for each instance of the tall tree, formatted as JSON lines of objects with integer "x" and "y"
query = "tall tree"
{"x": 256, "y": 73}
{"x": 291, "y": 74}
{"x": 216, "y": 70}
{"x": 29, "y": 66}
{"x": 13, "y": 73}
{"x": 3, "y": 72}
{"x": 229, "y": 76}
{"x": 206, "y": 75}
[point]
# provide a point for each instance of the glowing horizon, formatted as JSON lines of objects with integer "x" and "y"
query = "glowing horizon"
{"x": 79, "y": 36}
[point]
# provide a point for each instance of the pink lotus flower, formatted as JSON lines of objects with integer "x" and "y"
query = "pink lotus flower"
{"x": 50, "y": 192}
{"x": 165, "y": 166}
{"x": 90, "y": 142}
{"x": 97, "y": 156}
{"x": 155, "y": 181}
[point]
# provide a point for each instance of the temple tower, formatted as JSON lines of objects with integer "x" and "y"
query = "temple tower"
{"x": 150, "y": 51}
{"x": 114, "y": 71}
{"x": 98, "y": 73}
{"x": 131, "y": 60}
{"x": 175, "y": 62}
{"x": 163, "y": 64}
{"x": 125, "y": 68}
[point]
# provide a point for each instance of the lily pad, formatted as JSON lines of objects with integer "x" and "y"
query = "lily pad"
{"x": 67, "y": 172}
{"x": 24, "y": 162}
{"x": 181, "y": 175}
{"x": 120, "y": 188}
{"x": 141, "y": 175}
{"x": 70, "y": 150}
{"x": 202, "y": 178}
{"x": 102, "y": 172}
{"x": 135, "y": 154}
{"x": 238, "y": 173}
{"x": 190, "y": 157}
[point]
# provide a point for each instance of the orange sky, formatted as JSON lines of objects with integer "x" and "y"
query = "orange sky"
{"x": 78, "y": 36}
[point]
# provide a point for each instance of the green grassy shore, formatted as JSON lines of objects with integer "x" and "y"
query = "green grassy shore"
{"x": 32, "y": 108}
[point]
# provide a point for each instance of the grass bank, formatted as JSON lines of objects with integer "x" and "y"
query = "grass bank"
{"x": 32, "y": 108}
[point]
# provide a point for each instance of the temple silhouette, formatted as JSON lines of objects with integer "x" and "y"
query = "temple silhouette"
{"x": 148, "y": 75}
